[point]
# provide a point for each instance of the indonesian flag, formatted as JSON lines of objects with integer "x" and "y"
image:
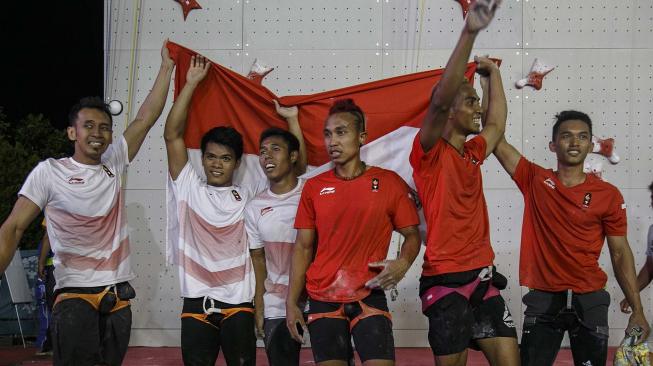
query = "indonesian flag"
{"x": 394, "y": 109}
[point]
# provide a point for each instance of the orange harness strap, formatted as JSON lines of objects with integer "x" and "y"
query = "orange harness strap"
{"x": 93, "y": 299}
{"x": 366, "y": 312}
{"x": 226, "y": 312}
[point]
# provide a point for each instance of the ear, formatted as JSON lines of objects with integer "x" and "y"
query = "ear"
{"x": 238, "y": 163}
{"x": 362, "y": 137}
{"x": 552, "y": 146}
{"x": 294, "y": 155}
{"x": 72, "y": 134}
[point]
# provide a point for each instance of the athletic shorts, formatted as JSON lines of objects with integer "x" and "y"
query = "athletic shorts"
{"x": 547, "y": 317}
{"x": 331, "y": 338}
{"x": 456, "y": 323}
{"x": 280, "y": 347}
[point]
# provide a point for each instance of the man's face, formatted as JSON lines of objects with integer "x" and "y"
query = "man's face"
{"x": 275, "y": 159}
{"x": 92, "y": 134}
{"x": 466, "y": 111}
{"x": 341, "y": 138}
{"x": 572, "y": 143}
{"x": 219, "y": 162}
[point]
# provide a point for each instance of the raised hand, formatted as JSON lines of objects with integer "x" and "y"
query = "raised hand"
{"x": 165, "y": 55}
{"x": 480, "y": 14}
{"x": 286, "y": 112}
{"x": 199, "y": 67}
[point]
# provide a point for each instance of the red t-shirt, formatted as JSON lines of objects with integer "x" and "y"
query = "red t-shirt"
{"x": 353, "y": 222}
{"x": 450, "y": 187}
{"x": 564, "y": 229}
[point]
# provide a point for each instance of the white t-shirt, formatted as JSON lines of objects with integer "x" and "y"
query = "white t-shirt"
{"x": 649, "y": 242}
{"x": 269, "y": 220}
{"x": 86, "y": 220}
{"x": 212, "y": 248}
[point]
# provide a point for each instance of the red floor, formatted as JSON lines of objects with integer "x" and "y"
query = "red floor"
{"x": 164, "y": 356}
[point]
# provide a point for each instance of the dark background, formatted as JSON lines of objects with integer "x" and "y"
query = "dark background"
{"x": 52, "y": 55}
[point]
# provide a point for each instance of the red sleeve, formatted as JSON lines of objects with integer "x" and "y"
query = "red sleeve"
{"x": 476, "y": 147}
{"x": 615, "y": 222}
{"x": 416, "y": 153}
{"x": 524, "y": 173}
{"x": 305, "y": 218}
{"x": 404, "y": 212}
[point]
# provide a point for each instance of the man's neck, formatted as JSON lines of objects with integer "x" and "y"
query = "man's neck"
{"x": 86, "y": 160}
{"x": 285, "y": 184}
{"x": 570, "y": 176}
{"x": 350, "y": 168}
{"x": 454, "y": 137}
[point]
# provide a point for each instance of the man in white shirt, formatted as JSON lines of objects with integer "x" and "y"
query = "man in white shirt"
{"x": 211, "y": 250}
{"x": 84, "y": 206}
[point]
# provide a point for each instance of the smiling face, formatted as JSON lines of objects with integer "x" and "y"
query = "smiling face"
{"x": 342, "y": 138}
{"x": 466, "y": 110}
{"x": 219, "y": 164}
{"x": 275, "y": 158}
{"x": 92, "y": 134}
{"x": 572, "y": 143}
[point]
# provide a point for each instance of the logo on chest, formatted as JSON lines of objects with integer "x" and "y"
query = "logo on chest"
{"x": 236, "y": 195}
{"x": 266, "y": 210}
{"x": 327, "y": 190}
{"x": 106, "y": 170}
{"x": 76, "y": 180}
{"x": 375, "y": 184}
{"x": 549, "y": 182}
{"x": 587, "y": 199}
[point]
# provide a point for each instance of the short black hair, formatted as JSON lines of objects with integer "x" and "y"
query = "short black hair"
{"x": 348, "y": 106}
{"x": 289, "y": 138}
{"x": 227, "y": 136}
{"x": 567, "y": 116}
{"x": 88, "y": 102}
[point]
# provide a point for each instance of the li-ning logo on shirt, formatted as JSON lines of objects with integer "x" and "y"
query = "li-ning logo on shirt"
{"x": 106, "y": 170}
{"x": 375, "y": 184}
{"x": 266, "y": 210}
{"x": 75, "y": 180}
{"x": 327, "y": 190}
{"x": 549, "y": 182}
{"x": 587, "y": 199}
{"x": 236, "y": 195}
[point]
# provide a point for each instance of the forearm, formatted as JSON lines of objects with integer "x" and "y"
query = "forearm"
{"x": 497, "y": 109}
{"x": 411, "y": 246}
{"x": 301, "y": 259}
{"x": 176, "y": 121}
{"x": 295, "y": 129}
{"x": 9, "y": 237}
{"x": 643, "y": 278}
{"x": 260, "y": 274}
{"x": 623, "y": 264}
{"x": 454, "y": 72}
{"x": 153, "y": 104}
{"x": 45, "y": 248}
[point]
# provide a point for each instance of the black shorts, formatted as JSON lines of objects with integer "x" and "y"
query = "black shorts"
{"x": 201, "y": 341}
{"x": 331, "y": 338}
{"x": 280, "y": 347}
{"x": 82, "y": 335}
{"x": 455, "y": 322}
{"x": 547, "y": 317}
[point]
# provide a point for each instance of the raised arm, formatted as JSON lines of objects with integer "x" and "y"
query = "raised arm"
{"x": 623, "y": 265}
{"x": 445, "y": 91}
{"x": 152, "y": 106}
{"x": 301, "y": 258}
{"x": 176, "y": 121}
{"x": 11, "y": 231}
{"x": 495, "y": 108}
{"x": 291, "y": 115}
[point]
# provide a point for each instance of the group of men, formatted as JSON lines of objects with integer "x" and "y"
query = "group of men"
{"x": 290, "y": 255}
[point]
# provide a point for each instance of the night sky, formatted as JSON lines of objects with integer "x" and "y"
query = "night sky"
{"x": 52, "y": 55}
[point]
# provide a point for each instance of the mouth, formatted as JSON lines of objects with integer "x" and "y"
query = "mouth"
{"x": 216, "y": 173}
{"x": 477, "y": 120}
{"x": 335, "y": 153}
{"x": 95, "y": 144}
{"x": 269, "y": 167}
{"x": 573, "y": 153}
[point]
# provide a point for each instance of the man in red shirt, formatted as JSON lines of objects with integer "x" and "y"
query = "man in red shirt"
{"x": 349, "y": 214}
{"x": 459, "y": 287}
{"x": 567, "y": 216}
